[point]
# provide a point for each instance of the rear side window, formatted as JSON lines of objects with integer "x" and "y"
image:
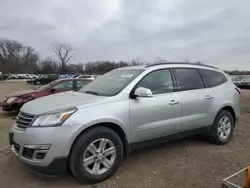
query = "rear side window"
{"x": 188, "y": 79}
{"x": 213, "y": 78}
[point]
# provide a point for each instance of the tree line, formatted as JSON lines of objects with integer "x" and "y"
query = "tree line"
{"x": 16, "y": 57}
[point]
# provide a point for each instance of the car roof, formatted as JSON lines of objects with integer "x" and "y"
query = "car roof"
{"x": 171, "y": 65}
{"x": 69, "y": 79}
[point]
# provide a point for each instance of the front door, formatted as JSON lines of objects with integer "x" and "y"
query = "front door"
{"x": 157, "y": 116}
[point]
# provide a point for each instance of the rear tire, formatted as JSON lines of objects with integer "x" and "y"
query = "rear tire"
{"x": 88, "y": 162}
{"x": 223, "y": 127}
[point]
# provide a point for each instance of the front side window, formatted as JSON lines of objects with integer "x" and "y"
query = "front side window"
{"x": 213, "y": 78}
{"x": 188, "y": 79}
{"x": 63, "y": 86}
{"x": 112, "y": 82}
{"x": 158, "y": 82}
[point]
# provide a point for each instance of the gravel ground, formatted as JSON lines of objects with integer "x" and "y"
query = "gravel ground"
{"x": 190, "y": 162}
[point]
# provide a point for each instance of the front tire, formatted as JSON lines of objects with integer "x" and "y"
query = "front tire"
{"x": 223, "y": 127}
{"x": 96, "y": 155}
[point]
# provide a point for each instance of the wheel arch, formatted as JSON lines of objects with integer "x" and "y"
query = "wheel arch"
{"x": 116, "y": 128}
{"x": 228, "y": 108}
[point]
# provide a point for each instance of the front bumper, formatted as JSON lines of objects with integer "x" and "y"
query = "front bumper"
{"x": 54, "y": 159}
{"x": 56, "y": 167}
{"x": 10, "y": 107}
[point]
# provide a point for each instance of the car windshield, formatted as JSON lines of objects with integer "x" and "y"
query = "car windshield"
{"x": 44, "y": 87}
{"x": 112, "y": 82}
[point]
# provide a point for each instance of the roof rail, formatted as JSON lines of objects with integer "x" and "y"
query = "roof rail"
{"x": 184, "y": 63}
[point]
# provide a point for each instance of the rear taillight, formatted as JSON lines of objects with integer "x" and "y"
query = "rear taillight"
{"x": 238, "y": 90}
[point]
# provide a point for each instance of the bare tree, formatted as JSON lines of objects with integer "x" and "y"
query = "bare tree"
{"x": 160, "y": 60}
{"x": 64, "y": 52}
{"x": 29, "y": 60}
{"x": 9, "y": 54}
{"x": 48, "y": 66}
{"x": 80, "y": 67}
{"x": 137, "y": 61}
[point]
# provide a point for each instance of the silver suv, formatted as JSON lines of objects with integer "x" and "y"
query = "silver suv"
{"x": 90, "y": 131}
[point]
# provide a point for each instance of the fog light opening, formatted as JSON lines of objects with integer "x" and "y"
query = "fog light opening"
{"x": 40, "y": 155}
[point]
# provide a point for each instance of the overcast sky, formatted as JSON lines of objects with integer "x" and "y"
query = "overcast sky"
{"x": 215, "y": 32}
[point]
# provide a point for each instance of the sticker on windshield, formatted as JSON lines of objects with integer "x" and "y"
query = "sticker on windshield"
{"x": 126, "y": 75}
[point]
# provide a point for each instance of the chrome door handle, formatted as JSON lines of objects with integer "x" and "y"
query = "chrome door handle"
{"x": 208, "y": 97}
{"x": 173, "y": 102}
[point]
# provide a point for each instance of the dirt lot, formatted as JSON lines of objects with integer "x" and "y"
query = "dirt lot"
{"x": 190, "y": 162}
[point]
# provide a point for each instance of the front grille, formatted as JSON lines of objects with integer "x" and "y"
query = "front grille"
{"x": 23, "y": 120}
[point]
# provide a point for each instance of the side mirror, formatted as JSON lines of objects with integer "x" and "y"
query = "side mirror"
{"x": 143, "y": 92}
{"x": 52, "y": 90}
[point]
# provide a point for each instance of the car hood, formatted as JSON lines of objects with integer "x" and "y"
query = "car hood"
{"x": 59, "y": 101}
{"x": 20, "y": 93}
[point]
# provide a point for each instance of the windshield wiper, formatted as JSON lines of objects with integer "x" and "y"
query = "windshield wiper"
{"x": 92, "y": 92}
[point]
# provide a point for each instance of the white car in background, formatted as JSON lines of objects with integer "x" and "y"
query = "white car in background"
{"x": 89, "y": 77}
{"x": 13, "y": 76}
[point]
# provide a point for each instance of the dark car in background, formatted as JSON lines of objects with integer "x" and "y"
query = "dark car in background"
{"x": 15, "y": 101}
{"x": 2, "y": 77}
{"x": 44, "y": 79}
{"x": 242, "y": 82}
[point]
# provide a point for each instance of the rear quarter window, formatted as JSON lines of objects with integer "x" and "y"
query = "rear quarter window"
{"x": 212, "y": 78}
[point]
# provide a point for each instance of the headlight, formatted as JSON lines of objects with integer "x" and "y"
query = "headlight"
{"x": 11, "y": 99}
{"x": 53, "y": 119}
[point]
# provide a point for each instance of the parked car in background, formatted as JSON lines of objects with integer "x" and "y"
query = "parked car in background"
{"x": 90, "y": 131}
{"x": 15, "y": 101}
{"x": 61, "y": 76}
{"x": 243, "y": 84}
{"x": 30, "y": 76}
{"x": 89, "y": 77}
{"x": 2, "y": 76}
{"x": 44, "y": 79}
{"x": 12, "y": 76}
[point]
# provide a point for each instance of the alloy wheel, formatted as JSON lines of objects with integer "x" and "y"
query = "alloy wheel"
{"x": 99, "y": 156}
{"x": 224, "y": 128}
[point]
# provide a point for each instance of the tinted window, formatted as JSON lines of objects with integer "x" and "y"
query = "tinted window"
{"x": 158, "y": 82}
{"x": 188, "y": 79}
{"x": 67, "y": 85}
{"x": 213, "y": 78}
{"x": 81, "y": 83}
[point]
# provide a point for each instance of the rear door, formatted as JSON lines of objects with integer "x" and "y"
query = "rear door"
{"x": 219, "y": 91}
{"x": 195, "y": 97}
